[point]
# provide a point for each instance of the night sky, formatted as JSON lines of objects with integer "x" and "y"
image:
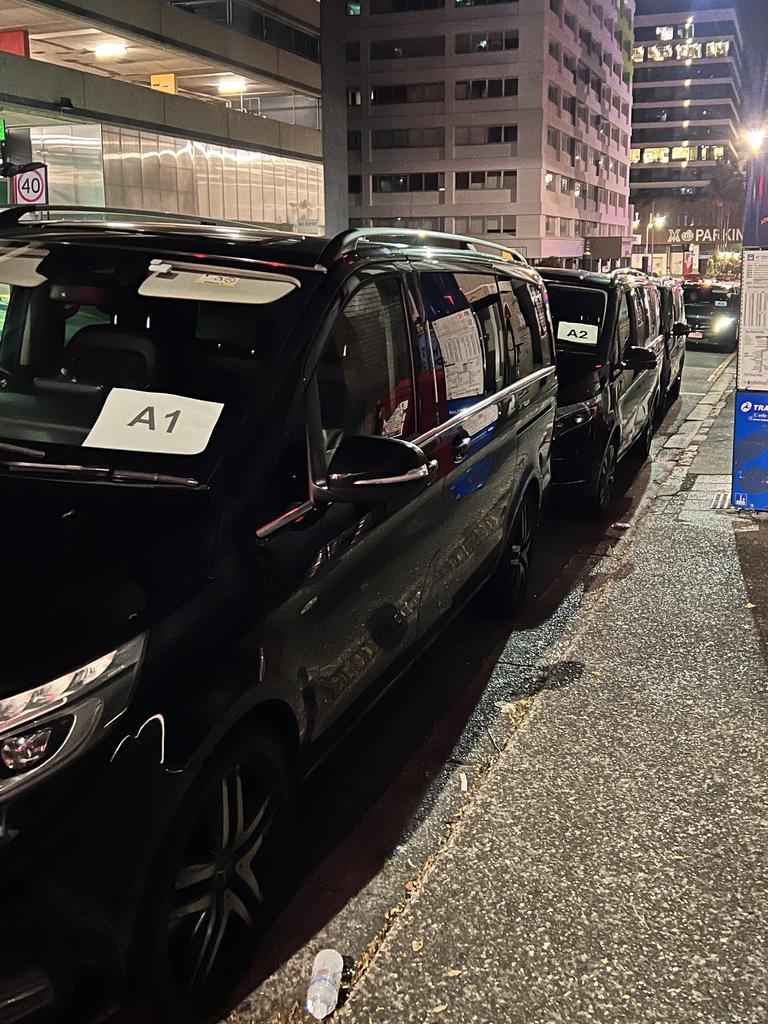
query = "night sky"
{"x": 755, "y": 28}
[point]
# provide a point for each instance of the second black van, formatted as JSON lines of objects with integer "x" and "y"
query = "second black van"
{"x": 610, "y": 348}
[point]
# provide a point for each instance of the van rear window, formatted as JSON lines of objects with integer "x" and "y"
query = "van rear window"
{"x": 578, "y": 315}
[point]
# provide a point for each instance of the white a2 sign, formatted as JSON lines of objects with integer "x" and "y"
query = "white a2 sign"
{"x": 581, "y": 334}
{"x": 151, "y": 421}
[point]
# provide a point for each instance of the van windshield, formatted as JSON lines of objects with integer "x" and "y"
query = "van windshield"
{"x": 578, "y": 315}
{"x": 131, "y": 360}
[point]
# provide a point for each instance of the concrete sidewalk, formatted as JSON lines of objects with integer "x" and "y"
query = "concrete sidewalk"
{"x": 613, "y": 865}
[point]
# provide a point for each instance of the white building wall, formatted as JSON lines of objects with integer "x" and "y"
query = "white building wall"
{"x": 530, "y": 110}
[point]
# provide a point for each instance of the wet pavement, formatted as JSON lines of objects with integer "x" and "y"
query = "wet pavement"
{"x": 562, "y": 822}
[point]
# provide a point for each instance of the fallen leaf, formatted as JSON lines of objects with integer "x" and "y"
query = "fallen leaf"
{"x": 409, "y": 886}
{"x": 417, "y": 944}
{"x": 453, "y": 972}
{"x": 439, "y": 1008}
{"x": 750, "y": 605}
{"x": 464, "y": 783}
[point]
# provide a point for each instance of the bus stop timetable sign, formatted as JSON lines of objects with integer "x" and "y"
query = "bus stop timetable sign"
{"x": 30, "y": 188}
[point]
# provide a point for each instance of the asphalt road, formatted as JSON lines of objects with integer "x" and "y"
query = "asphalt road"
{"x": 390, "y": 789}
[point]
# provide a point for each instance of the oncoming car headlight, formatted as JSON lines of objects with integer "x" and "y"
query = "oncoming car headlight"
{"x": 722, "y": 323}
{"x": 48, "y": 724}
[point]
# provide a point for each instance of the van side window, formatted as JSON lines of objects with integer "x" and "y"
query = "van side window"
{"x": 651, "y": 297}
{"x": 365, "y": 377}
{"x": 465, "y": 337}
{"x": 623, "y": 329}
{"x": 637, "y": 318}
{"x": 529, "y": 343}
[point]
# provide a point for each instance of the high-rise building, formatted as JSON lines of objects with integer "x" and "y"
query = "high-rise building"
{"x": 686, "y": 127}
{"x": 195, "y": 107}
{"x": 503, "y": 118}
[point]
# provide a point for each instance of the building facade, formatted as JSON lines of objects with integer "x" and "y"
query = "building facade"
{"x": 508, "y": 119}
{"x": 687, "y": 190}
{"x": 201, "y": 107}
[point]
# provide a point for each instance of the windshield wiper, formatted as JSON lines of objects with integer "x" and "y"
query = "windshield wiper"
{"x": 18, "y": 449}
{"x": 102, "y": 473}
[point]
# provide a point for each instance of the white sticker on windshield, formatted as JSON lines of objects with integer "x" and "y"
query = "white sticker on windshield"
{"x": 582, "y": 334}
{"x": 150, "y": 421}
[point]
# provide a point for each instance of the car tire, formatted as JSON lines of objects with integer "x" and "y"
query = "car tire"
{"x": 603, "y": 480}
{"x": 216, "y": 883}
{"x": 645, "y": 439}
{"x": 507, "y": 589}
{"x": 666, "y": 373}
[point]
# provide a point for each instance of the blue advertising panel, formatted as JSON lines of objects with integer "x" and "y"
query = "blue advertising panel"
{"x": 750, "y": 450}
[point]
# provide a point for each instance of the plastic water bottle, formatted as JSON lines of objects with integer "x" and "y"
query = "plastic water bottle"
{"x": 323, "y": 991}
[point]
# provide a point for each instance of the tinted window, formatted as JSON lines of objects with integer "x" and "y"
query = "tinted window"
{"x": 638, "y": 318}
{"x": 525, "y": 318}
{"x": 364, "y": 375}
{"x": 578, "y": 315}
{"x": 650, "y": 299}
{"x": 466, "y": 338}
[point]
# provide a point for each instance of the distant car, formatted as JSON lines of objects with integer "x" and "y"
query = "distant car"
{"x": 676, "y": 330}
{"x": 712, "y": 312}
{"x": 610, "y": 354}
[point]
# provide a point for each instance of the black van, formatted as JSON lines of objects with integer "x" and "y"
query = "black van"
{"x": 610, "y": 348}
{"x": 246, "y": 477}
{"x": 713, "y": 312}
{"x": 676, "y": 330}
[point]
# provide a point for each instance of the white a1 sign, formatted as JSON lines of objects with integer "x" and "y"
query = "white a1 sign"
{"x": 30, "y": 188}
{"x": 151, "y": 421}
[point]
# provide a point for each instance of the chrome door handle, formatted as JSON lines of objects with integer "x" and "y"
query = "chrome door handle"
{"x": 461, "y": 447}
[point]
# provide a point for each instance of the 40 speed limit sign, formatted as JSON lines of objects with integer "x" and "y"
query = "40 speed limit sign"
{"x": 30, "y": 188}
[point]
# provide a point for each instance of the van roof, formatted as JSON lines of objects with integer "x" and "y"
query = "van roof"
{"x": 262, "y": 243}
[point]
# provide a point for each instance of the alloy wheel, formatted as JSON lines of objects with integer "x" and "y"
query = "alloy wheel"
{"x": 218, "y": 894}
{"x": 607, "y": 479}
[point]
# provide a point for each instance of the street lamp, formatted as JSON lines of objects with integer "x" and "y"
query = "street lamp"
{"x": 655, "y": 222}
{"x": 756, "y": 139}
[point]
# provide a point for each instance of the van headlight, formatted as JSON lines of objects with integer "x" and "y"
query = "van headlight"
{"x": 722, "y": 323}
{"x": 47, "y": 725}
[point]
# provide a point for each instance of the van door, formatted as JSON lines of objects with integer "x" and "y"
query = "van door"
{"x": 371, "y": 567}
{"x": 630, "y": 383}
{"x": 475, "y": 428}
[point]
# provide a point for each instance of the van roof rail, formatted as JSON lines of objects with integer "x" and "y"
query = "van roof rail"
{"x": 12, "y": 215}
{"x": 412, "y": 238}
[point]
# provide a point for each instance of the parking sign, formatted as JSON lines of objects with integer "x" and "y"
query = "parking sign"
{"x": 30, "y": 188}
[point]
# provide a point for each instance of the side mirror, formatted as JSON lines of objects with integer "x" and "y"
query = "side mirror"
{"x": 377, "y": 470}
{"x": 638, "y": 358}
{"x": 681, "y": 330}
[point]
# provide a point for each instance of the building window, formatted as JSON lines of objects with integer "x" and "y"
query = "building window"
{"x": 355, "y": 140}
{"x": 570, "y": 21}
{"x": 666, "y": 33}
{"x": 550, "y": 225}
{"x": 429, "y": 182}
{"x": 486, "y": 88}
{"x": 550, "y": 181}
{"x": 487, "y": 42}
{"x": 354, "y": 184}
{"x": 353, "y": 8}
{"x": 403, "y": 6}
{"x": 565, "y": 226}
{"x": 721, "y": 48}
{"x": 482, "y": 3}
{"x": 476, "y": 181}
{"x": 688, "y": 51}
{"x": 683, "y": 152}
{"x": 656, "y": 155}
{"x": 354, "y": 97}
{"x": 554, "y": 51}
{"x": 485, "y": 135}
{"x": 491, "y": 225}
{"x": 566, "y": 185}
{"x": 553, "y": 138}
{"x": 395, "y": 49}
{"x": 429, "y": 92}
{"x": 406, "y": 138}
{"x": 660, "y": 52}
{"x": 553, "y": 94}
{"x": 352, "y": 52}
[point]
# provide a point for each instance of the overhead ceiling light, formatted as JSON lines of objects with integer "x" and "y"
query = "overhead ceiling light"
{"x": 105, "y": 51}
{"x": 229, "y": 86}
